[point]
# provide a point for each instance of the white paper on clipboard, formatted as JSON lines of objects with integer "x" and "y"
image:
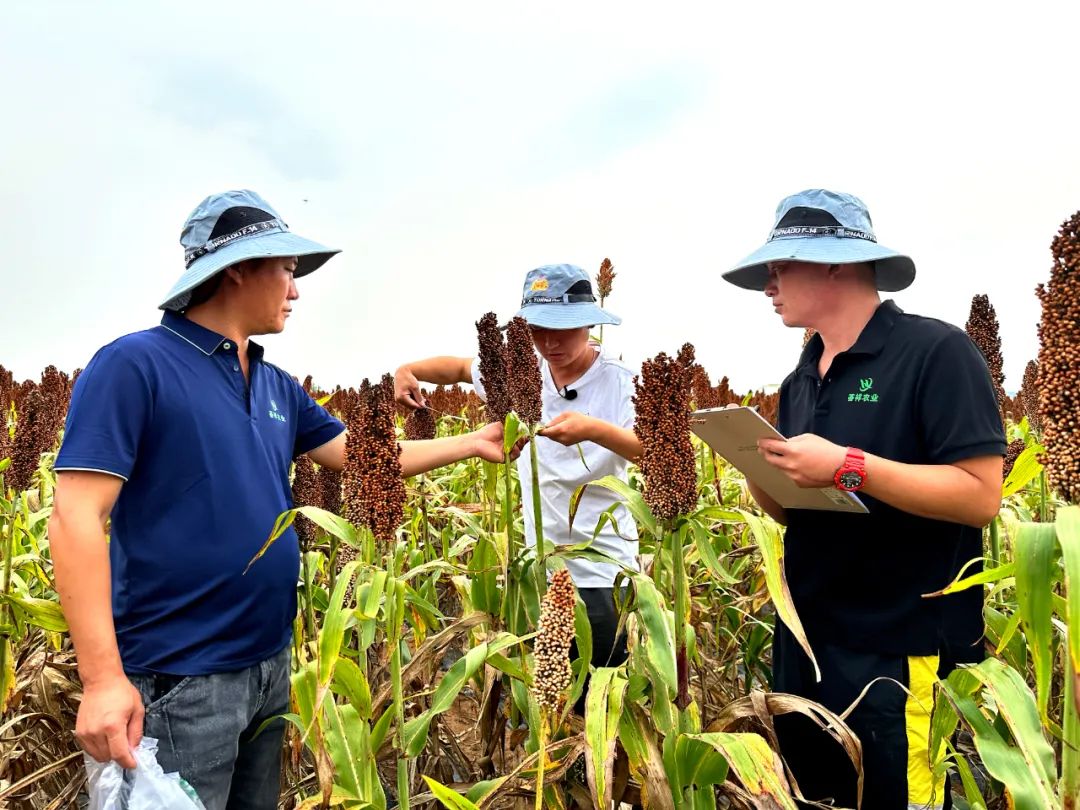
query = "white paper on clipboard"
{"x": 734, "y": 432}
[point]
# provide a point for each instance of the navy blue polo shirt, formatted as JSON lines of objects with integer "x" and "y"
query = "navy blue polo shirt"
{"x": 915, "y": 390}
{"x": 205, "y": 457}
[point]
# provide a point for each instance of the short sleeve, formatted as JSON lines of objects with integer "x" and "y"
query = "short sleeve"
{"x": 627, "y": 413}
{"x": 315, "y": 426}
{"x": 474, "y": 370}
{"x": 957, "y": 408}
{"x": 110, "y": 412}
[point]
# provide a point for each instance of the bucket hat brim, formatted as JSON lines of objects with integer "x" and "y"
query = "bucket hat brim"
{"x": 567, "y": 316}
{"x": 310, "y": 256}
{"x": 892, "y": 271}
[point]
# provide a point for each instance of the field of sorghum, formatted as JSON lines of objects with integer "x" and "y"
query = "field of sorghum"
{"x": 432, "y": 656}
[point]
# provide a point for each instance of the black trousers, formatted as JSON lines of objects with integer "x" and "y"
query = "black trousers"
{"x": 608, "y": 646}
{"x": 893, "y": 726}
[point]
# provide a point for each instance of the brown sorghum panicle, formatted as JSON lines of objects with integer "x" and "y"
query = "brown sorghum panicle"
{"x": 1059, "y": 363}
{"x": 604, "y": 280}
{"x": 1012, "y": 452}
{"x": 703, "y": 391}
{"x": 982, "y": 328}
{"x": 32, "y": 438}
{"x": 375, "y": 493}
{"x": 1029, "y": 396}
{"x": 493, "y": 376}
{"x": 807, "y": 335}
{"x": 686, "y": 357}
{"x": 524, "y": 372}
{"x": 723, "y": 395}
{"x": 7, "y": 383}
{"x": 420, "y": 424}
{"x": 56, "y": 393}
{"x": 662, "y": 404}
{"x": 768, "y": 405}
{"x": 552, "y": 650}
{"x": 305, "y": 492}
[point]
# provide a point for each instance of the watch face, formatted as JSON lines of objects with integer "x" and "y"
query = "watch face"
{"x": 851, "y": 480}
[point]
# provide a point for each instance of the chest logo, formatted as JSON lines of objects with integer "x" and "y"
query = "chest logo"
{"x": 864, "y": 394}
{"x": 274, "y": 413}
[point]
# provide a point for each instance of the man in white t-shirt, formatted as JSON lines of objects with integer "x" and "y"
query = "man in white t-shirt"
{"x": 588, "y": 411}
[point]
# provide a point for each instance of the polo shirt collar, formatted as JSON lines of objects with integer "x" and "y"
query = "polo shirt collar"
{"x": 205, "y": 340}
{"x": 871, "y": 340}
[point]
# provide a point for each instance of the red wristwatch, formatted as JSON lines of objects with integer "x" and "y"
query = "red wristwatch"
{"x": 852, "y": 473}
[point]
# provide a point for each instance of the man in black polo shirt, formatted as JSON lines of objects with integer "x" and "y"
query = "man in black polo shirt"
{"x": 901, "y": 409}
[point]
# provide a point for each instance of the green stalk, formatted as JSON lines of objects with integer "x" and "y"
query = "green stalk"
{"x": 7, "y": 536}
{"x": 540, "y": 763}
{"x": 309, "y": 608}
{"x": 1070, "y": 743}
{"x": 538, "y": 523}
{"x": 394, "y": 632}
{"x": 510, "y": 589}
{"x": 682, "y": 602}
{"x": 995, "y": 542}
{"x": 1044, "y": 497}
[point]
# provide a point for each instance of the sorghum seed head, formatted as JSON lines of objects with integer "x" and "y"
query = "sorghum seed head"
{"x": 604, "y": 279}
{"x": 420, "y": 424}
{"x": 1029, "y": 396}
{"x": 492, "y": 354}
{"x": 982, "y": 328}
{"x": 662, "y": 424}
{"x": 524, "y": 372}
{"x": 1012, "y": 452}
{"x": 1059, "y": 363}
{"x": 375, "y": 493}
{"x": 555, "y": 634}
{"x": 305, "y": 492}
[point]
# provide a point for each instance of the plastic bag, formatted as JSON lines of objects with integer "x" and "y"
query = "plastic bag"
{"x": 147, "y": 787}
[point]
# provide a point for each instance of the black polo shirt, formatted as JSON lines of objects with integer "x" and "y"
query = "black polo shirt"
{"x": 914, "y": 390}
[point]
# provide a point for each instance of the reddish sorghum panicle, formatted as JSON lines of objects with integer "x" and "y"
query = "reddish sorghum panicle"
{"x": 604, "y": 280}
{"x": 493, "y": 376}
{"x": 523, "y": 372}
{"x": 982, "y": 327}
{"x": 374, "y": 491}
{"x": 662, "y": 424}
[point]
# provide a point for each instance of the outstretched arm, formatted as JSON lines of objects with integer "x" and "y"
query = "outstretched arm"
{"x": 421, "y": 456}
{"x": 442, "y": 370}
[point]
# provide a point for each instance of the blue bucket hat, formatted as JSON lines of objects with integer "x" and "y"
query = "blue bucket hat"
{"x": 233, "y": 226}
{"x": 823, "y": 227}
{"x": 560, "y": 296}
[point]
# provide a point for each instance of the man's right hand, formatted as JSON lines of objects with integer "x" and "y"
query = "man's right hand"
{"x": 407, "y": 389}
{"x": 110, "y": 721}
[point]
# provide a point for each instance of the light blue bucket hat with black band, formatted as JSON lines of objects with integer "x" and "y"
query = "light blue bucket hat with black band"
{"x": 824, "y": 227}
{"x": 560, "y": 296}
{"x": 231, "y": 227}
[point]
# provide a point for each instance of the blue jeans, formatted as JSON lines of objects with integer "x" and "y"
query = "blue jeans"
{"x": 206, "y": 724}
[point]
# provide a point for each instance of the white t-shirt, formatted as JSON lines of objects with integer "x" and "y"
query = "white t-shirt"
{"x": 604, "y": 391}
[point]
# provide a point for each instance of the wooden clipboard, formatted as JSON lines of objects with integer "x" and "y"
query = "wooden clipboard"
{"x": 734, "y": 432}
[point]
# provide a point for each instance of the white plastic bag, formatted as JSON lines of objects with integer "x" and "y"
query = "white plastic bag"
{"x": 147, "y": 787}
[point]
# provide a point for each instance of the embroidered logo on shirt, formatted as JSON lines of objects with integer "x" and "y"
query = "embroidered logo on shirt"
{"x": 865, "y": 385}
{"x": 274, "y": 413}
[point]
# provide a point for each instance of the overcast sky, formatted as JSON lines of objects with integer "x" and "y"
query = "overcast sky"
{"x": 450, "y": 147}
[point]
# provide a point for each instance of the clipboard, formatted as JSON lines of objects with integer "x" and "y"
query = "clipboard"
{"x": 734, "y": 432}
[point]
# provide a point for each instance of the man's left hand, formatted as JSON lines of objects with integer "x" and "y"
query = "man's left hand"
{"x": 487, "y": 443}
{"x": 808, "y": 460}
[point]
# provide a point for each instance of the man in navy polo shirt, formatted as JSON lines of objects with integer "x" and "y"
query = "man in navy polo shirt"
{"x": 901, "y": 409}
{"x": 184, "y": 435}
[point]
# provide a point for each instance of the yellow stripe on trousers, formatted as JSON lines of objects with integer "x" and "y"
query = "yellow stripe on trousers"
{"x": 923, "y": 789}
